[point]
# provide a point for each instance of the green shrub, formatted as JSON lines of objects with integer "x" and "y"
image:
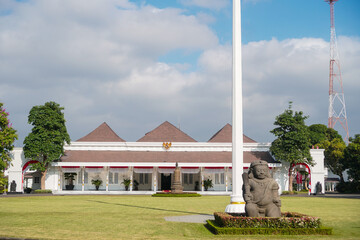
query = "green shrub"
{"x": 348, "y": 187}
{"x": 287, "y": 220}
{"x": 289, "y": 192}
{"x": 176, "y": 195}
{"x": 39, "y": 191}
{"x": 214, "y": 228}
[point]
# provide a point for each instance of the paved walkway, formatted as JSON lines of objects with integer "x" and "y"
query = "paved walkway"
{"x": 190, "y": 218}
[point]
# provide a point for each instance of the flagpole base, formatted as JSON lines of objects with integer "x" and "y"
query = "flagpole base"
{"x": 237, "y": 205}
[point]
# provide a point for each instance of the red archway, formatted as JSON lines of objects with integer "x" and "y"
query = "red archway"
{"x": 306, "y": 166}
{"x": 22, "y": 172}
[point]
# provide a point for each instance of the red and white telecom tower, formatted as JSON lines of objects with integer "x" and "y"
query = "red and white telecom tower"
{"x": 337, "y": 109}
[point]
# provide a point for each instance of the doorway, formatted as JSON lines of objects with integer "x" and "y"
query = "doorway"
{"x": 166, "y": 181}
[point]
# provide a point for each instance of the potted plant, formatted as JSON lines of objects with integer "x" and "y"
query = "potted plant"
{"x": 126, "y": 183}
{"x": 70, "y": 177}
{"x": 136, "y": 185}
{"x": 97, "y": 183}
{"x": 208, "y": 184}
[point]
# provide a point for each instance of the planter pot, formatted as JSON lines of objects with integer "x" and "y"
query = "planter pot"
{"x": 126, "y": 188}
{"x": 97, "y": 188}
{"x": 69, "y": 187}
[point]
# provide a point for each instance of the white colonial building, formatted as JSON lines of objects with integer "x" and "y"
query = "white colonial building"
{"x": 149, "y": 163}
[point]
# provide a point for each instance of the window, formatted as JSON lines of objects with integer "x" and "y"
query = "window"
{"x": 113, "y": 178}
{"x": 86, "y": 177}
{"x": 110, "y": 178}
{"x": 219, "y": 178}
{"x": 80, "y": 177}
{"x": 188, "y": 178}
{"x": 144, "y": 178}
{"x": 116, "y": 178}
{"x": 36, "y": 179}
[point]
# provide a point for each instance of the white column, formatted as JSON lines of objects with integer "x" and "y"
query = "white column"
{"x": 131, "y": 178}
{"x": 59, "y": 179}
{"x": 155, "y": 179}
{"x": 202, "y": 180}
{"x": 83, "y": 178}
{"x": 237, "y": 204}
{"x": 226, "y": 179}
{"x": 107, "y": 178}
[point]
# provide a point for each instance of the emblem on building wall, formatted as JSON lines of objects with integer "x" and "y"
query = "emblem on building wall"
{"x": 166, "y": 145}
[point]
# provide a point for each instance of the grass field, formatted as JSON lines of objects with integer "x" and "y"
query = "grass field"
{"x": 142, "y": 217}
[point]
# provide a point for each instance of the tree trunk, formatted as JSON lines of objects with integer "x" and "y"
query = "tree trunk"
{"x": 43, "y": 177}
{"x": 290, "y": 178}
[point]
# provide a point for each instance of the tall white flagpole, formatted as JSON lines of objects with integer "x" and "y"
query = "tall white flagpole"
{"x": 237, "y": 203}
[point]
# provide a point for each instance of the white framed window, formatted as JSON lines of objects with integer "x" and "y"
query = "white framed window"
{"x": 144, "y": 178}
{"x": 113, "y": 178}
{"x": 219, "y": 178}
{"x": 79, "y": 176}
{"x": 36, "y": 179}
{"x": 188, "y": 178}
{"x": 86, "y": 177}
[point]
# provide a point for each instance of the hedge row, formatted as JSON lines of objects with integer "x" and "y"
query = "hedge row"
{"x": 42, "y": 191}
{"x": 287, "y": 220}
{"x": 212, "y": 226}
{"x": 176, "y": 195}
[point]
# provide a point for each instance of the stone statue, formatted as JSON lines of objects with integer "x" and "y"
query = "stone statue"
{"x": 176, "y": 186}
{"x": 318, "y": 188}
{"x": 261, "y": 192}
{"x": 13, "y": 186}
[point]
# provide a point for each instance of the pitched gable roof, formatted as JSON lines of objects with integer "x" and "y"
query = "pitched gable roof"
{"x": 225, "y": 135}
{"x": 103, "y": 133}
{"x": 166, "y": 132}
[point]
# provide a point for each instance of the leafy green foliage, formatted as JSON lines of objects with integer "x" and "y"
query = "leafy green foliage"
{"x": 334, "y": 155}
{"x": 330, "y": 140}
{"x": 208, "y": 184}
{"x": 7, "y": 138}
{"x": 48, "y": 136}
{"x": 352, "y": 158}
{"x": 292, "y": 144}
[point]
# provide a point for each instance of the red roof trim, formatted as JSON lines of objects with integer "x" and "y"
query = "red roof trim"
{"x": 190, "y": 167}
{"x": 167, "y": 167}
{"x": 93, "y": 167}
{"x": 70, "y": 167}
{"x": 143, "y": 167}
{"x": 119, "y": 167}
{"x": 214, "y": 167}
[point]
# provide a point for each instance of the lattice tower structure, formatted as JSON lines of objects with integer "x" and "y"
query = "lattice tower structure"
{"x": 337, "y": 107}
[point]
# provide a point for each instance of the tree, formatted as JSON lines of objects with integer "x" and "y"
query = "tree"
{"x": 352, "y": 156}
{"x": 330, "y": 140}
{"x": 292, "y": 143}
{"x": 7, "y": 138}
{"x": 45, "y": 143}
{"x": 334, "y": 156}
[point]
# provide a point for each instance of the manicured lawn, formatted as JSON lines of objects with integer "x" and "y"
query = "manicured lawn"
{"x": 142, "y": 217}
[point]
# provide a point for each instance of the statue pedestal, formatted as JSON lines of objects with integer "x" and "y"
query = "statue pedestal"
{"x": 176, "y": 186}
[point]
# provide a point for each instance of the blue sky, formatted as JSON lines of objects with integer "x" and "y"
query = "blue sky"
{"x": 136, "y": 64}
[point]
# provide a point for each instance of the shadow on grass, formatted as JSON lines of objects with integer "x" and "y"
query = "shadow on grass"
{"x": 150, "y": 208}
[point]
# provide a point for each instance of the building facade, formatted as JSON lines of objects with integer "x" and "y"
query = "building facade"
{"x": 148, "y": 164}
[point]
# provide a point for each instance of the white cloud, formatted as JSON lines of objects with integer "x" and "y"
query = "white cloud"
{"x": 101, "y": 63}
{"x": 212, "y": 4}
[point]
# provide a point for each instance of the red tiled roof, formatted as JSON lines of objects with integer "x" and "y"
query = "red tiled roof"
{"x": 166, "y": 132}
{"x": 225, "y": 135}
{"x": 156, "y": 157}
{"x": 103, "y": 133}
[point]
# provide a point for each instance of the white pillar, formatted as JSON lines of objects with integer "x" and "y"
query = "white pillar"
{"x": 131, "y": 178}
{"x": 83, "y": 178}
{"x": 202, "y": 180}
{"x": 237, "y": 204}
{"x": 107, "y": 178}
{"x": 226, "y": 179}
{"x": 59, "y": 179}
{"x": 155, "y": 179}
